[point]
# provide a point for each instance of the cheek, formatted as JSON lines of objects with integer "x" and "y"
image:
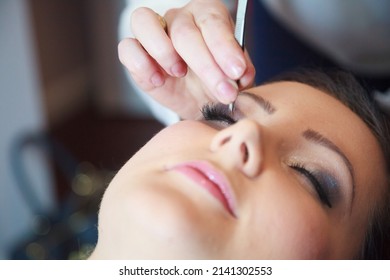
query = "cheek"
{"x": 144, "y": 216}
{"x": 175, "y": 140}
{"x": 291, "y": 224}
{"x": 154, "y": 216}
{"x": 302, "y": 233}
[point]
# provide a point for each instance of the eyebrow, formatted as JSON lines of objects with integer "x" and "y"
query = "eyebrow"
{"x": 309, "y": 134}
{"x": 265, "y": 104}
{"x": 318, "y": 138}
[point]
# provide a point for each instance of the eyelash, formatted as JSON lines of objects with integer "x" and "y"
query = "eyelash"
{"x": 316, "y": 183}
{"x": 220, "y": 113}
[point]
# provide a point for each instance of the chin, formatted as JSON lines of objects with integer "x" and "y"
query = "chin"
{"x": 150, "y": 223}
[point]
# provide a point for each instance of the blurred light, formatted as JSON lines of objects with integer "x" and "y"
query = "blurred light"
{"x": 83, "y": 185}
{"x": 78, "y": 222}
{"x": 82, "y": 254}
{"x": 35, "y": 251}
{"x": 41, "y": 225}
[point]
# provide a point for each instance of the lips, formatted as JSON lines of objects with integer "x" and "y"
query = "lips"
{"x": 213, "y": 181}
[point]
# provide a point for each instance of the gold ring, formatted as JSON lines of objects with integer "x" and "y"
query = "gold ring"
{"x": 163, "y": 22}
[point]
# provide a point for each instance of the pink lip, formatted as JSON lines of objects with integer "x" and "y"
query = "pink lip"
{"x": 205, "y": 175}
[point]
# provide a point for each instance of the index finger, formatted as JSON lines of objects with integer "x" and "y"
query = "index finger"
{"x": 217, "y": 29}
{"x": 190, "y": 45}
{"x": 147, "y": 28}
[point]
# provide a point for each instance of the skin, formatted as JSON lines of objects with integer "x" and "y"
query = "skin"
{"x": 196, "y": 61}
{"x": 151, "y": 211}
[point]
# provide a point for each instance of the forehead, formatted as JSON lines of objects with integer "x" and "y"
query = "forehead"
{"x": 300, "y": 101}
{"x": 302, "y": 107}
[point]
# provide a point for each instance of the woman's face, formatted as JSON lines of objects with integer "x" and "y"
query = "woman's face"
{"x": 294, "y": 178}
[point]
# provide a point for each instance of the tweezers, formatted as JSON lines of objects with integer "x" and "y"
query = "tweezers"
{"x": 239, "y": 31}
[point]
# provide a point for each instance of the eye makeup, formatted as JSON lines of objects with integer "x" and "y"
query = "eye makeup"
{"x": 218, "y": 113}
{"x": 325, "y": 185}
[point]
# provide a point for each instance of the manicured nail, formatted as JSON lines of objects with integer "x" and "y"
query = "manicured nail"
{"x": 236, "y": 70}
{"x": 179, "y": 69}
{"x": 247, "y": 79}
{"x": 157, "y": 79}
{"x": 227, "y": 91}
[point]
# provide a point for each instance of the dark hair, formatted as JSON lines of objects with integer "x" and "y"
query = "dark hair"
{"x": 346, "y": 88}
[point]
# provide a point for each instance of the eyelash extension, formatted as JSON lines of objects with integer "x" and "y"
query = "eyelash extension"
{"x": 319, "y": 187}
{"x": 218, "y": 112}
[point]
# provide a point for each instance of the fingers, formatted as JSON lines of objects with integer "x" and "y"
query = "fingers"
{"x": 147, "y": 29}
{"x": 217, "y": 29}
{"x": 247, "y": 80}
{"x": 206, "y": 42}
{"x": 190, "y": 44}
{"x": 218, "y": 32}
{"x": 143, "y": 68}
{"x": 198, "y": 36}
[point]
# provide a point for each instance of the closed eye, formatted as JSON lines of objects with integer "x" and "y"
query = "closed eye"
{"x": 218, "y": 112}
{"x": 317, "y": 184}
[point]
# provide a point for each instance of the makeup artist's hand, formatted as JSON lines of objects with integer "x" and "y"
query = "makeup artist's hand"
{"x": 196, "y": 61}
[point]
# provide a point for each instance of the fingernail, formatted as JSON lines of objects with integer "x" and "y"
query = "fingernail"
{"x": 236, "y": 70}
{"x": 157, "y": 79}
{"x": 248, "y": 77}
{"x": 227, "y": 91}
{"x": 179, "y": 69}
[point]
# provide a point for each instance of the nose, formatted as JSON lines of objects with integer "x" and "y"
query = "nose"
{"x": 241, "y": 144}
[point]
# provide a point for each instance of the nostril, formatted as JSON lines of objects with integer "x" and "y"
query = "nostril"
{"x": 244, "y": 152}
{"x": 225, "y": 140}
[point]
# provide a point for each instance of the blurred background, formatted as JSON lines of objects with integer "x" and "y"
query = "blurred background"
{"x": 68, "y": 122}
{"x": 69, "y": 119}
